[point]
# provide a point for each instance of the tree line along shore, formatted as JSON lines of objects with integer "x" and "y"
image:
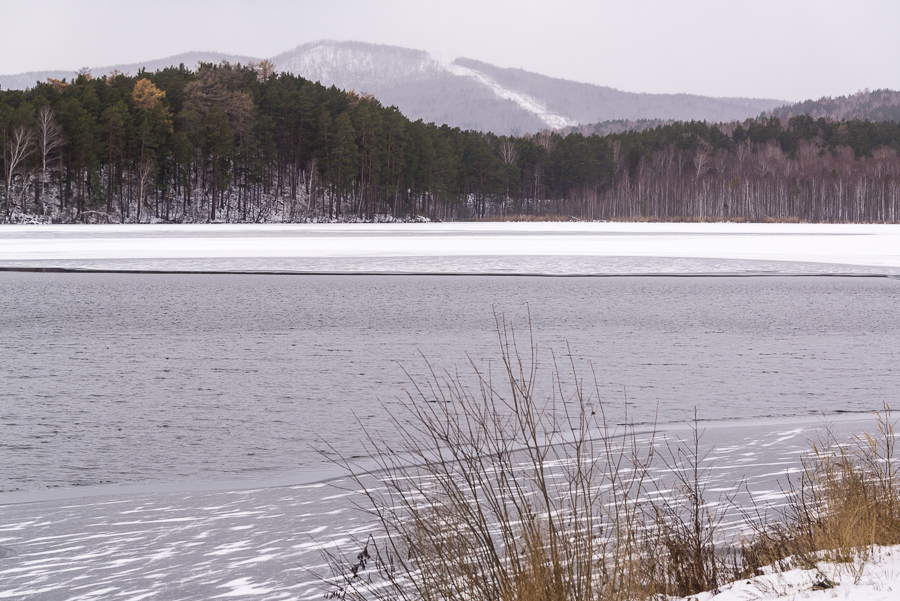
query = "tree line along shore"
{"x": 233, "y": 143}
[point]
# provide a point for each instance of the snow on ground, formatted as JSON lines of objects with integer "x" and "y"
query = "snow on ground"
{"x": 485, "y": 248}
{"x": 875, "y": 576}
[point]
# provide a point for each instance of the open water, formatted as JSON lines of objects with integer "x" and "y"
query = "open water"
{"x": 138, "y": 378}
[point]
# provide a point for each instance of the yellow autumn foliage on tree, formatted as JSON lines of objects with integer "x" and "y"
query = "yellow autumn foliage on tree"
{"x": 264, "y": 69}
{"x": 57, "y": 84}
{"x": 146, "y": 94}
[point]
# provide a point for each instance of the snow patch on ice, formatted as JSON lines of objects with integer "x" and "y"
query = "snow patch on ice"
{"x": 230, "y": 548}
{"x": 243, "y": 586}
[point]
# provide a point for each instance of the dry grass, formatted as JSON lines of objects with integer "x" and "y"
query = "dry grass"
{"x": 495, "y": 492}
{"x": 678, "y": 219}
{"x": 705, "y": 219}
{"x": 846, "y": 499}
{"x": 687, "y": 548}
{"x": 523, "y": 218}
{"x": 638, "y": 219}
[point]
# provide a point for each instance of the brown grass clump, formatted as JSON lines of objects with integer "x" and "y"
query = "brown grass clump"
{"x": 847, "y": 498}
{"x": 524, "y": 217}
{"x": 686, "y": 548}
{"x": 497, "y": 493}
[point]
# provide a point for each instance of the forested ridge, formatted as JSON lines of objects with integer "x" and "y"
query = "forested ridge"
{"x": 246, "y": 144}
{"x": 874, "y": 105}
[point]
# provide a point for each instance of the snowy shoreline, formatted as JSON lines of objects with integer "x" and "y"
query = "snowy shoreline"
{"x": 572, "y": 248}
{"x": 873, "y": 577}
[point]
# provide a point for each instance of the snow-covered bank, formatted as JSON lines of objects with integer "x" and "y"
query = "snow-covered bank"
{"x": 873, "y": 576}
{"x": 526, "y": 248}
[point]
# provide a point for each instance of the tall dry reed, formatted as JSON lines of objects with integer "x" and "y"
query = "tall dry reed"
{"x": 846, "y": 498}
{"x": 497, "y": 492}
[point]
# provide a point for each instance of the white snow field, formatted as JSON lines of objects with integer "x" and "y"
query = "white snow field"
{"x": 483, "y": 248}
{"x": 874, "y": 576}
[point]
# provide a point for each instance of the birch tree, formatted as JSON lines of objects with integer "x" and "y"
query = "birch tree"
{"x": 19, "y": 146}
{"x": 49, "y": 139}
{"x": 146, "y": 171}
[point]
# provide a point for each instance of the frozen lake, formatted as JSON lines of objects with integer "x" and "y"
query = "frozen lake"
{"x": 135, "y": 378}
{"x": 180, "y": 405}
{"x": 483, "y": 248}
{"x": 132, "y": 378}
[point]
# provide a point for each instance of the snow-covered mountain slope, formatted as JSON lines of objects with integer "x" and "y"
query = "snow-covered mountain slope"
{"x": 527, "y": 103}
{"x": 472, "y": 94}
{"x": 588, "y": 103}
{"x": 419, "y": 85}
{"x": 365, "y": 67}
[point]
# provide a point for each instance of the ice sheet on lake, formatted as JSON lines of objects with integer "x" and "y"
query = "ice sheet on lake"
{"x": 462, "y": 248}
{"x": 263, "y": 543}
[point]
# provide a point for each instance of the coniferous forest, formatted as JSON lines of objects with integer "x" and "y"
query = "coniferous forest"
{"x": 234, "y": 143}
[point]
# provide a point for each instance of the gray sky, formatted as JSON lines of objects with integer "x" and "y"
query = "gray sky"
{"x": 787, "y": 49}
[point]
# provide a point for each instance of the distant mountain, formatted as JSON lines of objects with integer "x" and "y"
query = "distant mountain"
{"x": 476, "y": 95}
{"x": 880, "y": 105}
{"x": 21, "y": 81}
{"x": 588, "y": 103}
{"x": 420, "y": 86}
{"x": 466, "y": 93}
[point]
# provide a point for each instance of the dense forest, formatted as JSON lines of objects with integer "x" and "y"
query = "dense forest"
{"x": 246, "y": 144}
{"x": 874, "y": 105}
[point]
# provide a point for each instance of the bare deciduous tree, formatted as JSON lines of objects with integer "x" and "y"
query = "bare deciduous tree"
{"x": 19, "y": 146}
{"x": 49, "y": 133}
{"x": 545, "y": 140}
{"x": 49, "y": 138}
{"x": 506, "y": 150}
{"x": 701, "y": 163}
{"x": 146, "y": 171}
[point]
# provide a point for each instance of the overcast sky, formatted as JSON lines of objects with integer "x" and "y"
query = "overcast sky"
{"x": 785, "y": 49}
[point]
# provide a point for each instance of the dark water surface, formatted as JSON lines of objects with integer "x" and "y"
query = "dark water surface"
{"x": 123, "y": 378}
